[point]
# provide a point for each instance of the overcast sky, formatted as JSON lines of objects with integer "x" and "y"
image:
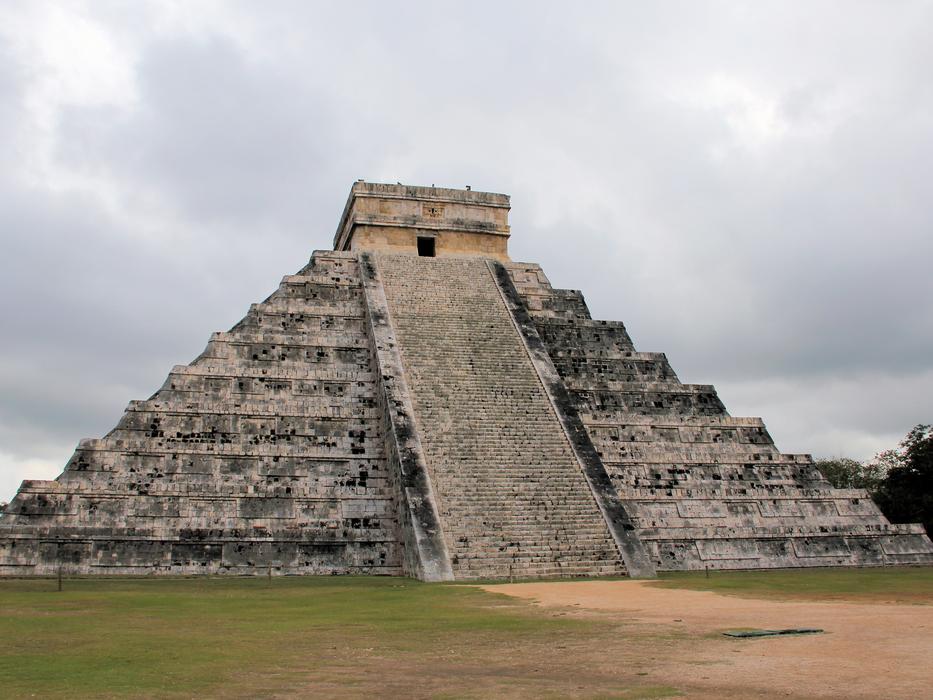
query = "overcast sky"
{"x": 746, "y": 185}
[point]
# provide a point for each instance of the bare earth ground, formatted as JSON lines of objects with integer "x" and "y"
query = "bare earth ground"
{"x": 868, "y": 650}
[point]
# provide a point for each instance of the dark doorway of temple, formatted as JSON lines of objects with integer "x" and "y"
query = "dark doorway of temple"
{"x": 425, "y": 247}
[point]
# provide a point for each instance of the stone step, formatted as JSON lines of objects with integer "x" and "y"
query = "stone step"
{"x": 499, "y": 460}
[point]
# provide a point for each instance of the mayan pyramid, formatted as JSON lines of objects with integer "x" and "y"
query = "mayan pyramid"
{"x": 414, "y": 402}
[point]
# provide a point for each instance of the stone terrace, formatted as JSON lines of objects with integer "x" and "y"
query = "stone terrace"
{"x": 264, "y": 453}
{"x": 704, "y": 489}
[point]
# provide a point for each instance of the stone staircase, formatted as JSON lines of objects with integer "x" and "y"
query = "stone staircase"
{"x": 511, "y": 495}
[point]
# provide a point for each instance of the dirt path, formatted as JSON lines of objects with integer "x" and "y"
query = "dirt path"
{"x": 867, "y": 651}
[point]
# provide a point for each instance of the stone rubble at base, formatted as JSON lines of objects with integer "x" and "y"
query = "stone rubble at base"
{"x": 449, "y": 417}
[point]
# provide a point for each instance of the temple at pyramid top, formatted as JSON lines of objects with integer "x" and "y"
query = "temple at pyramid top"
{"x": 428, "y": 221}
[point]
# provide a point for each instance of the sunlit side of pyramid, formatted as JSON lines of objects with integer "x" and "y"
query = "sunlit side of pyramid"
{"x": 416, "y": 403}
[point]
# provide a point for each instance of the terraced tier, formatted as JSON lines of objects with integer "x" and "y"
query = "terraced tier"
{"x": 702, "y": 488}
{"x": 265, "y": 452}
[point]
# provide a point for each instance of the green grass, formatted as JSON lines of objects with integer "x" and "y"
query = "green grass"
{"x": 359, "y": 636}
{"x": 248, "y": 637}
{"x": 901, "y": 585}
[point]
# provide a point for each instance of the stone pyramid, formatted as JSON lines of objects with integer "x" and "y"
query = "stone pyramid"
{"x": 414, "y": 402}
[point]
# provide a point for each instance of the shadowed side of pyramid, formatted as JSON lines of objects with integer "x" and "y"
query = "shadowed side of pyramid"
{"x": 704, "y": 489}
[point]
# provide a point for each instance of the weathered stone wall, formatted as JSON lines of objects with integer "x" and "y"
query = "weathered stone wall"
{"x": 266, "y": 451}
{"x": 398, "y": 240}
{"x": 703, "y": 488}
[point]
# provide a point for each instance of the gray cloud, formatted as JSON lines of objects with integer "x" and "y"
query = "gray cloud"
{"x": 744, "y": 186}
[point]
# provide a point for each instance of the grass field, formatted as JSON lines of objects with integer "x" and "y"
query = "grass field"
{"x": 248, "y": 637}
{"x": 356, "y": 636}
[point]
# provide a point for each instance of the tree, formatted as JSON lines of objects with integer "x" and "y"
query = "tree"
{"x": 845, "y": 473}
{"x": 886, "y": 460}
{"x": 876, "y": 470}
{"x": 905, "y": 495}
